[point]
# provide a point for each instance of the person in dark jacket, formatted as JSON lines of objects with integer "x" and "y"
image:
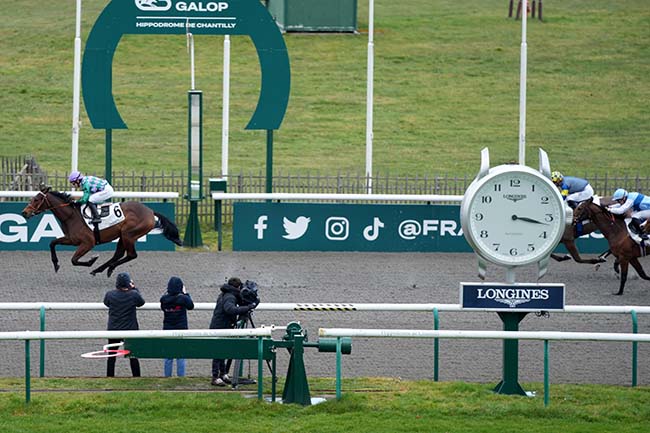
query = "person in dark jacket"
{"x": 122, "y": 303}
{"x": 225, "y": 316}
{"x": 175, "y": 303}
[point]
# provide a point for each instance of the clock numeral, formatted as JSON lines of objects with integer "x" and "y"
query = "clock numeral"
{"x": 532, "y": 187}
{"x": 484, "y": 234}
{"x": 543, "y": 235}
{"x": 478, "y": 216}
{"x": 513, "y": 251}
{"x": 497, "y": 187}
{"x": 531, "y": 247}
{"x": 515, "y": 183}
{"x": 486, "y": 199}
{"x": 549, "y": 217}
{"x": 544, "y": 200}
{"x": 496, "y": 247}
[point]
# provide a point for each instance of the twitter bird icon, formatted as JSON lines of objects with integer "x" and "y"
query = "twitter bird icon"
{"x": 295, "y": 230}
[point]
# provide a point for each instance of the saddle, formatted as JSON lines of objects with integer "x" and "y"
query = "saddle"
{"x": 636, "y": 235}
{"x": 110, "y": 213}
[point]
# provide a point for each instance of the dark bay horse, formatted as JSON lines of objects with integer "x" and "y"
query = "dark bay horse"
{"x": 627, "y": 251}
{"x": 568, "y": 239}
{"x": 138, "y": 221}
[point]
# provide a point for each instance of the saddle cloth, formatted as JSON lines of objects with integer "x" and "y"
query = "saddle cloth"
{"x": 110, "y": 213}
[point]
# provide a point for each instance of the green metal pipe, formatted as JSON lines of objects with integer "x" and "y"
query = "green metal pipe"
{"x": 28, "y": 381}
{"x": 108, "y": 157}
{"x": 436, "y": 345}
{"x": 269, "y": 160}
{"x": 546, "y": 374}
{"x": 635, "y": 347}
{"x": 42, "y": 356}
{"x": 338, "y": 368}
{"x": 260, "y": 370}
{"x": 273, "y": 379}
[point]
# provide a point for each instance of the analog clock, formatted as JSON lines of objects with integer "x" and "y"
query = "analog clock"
{"x": 513, "y": 215}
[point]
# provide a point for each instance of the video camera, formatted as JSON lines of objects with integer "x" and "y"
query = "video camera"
{"x": 248, "y": 293}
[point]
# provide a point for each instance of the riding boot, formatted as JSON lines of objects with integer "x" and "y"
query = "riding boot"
{"x": 635, "y": 225}
{"x": 93, "y": 210}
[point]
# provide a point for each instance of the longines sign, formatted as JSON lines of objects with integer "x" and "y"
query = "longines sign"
{"x": 36, "y": 233}
{"x": 512, "y": 297}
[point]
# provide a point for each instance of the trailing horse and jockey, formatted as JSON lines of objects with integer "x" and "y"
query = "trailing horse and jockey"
{"x": 138, "y": 220}
{"x": 637, "y": 206}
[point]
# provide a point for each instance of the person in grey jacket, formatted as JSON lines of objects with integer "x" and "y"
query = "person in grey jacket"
{"x": 122, "y": 302}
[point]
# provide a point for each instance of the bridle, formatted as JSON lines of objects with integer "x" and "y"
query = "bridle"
{"x": 37, "y": 210}
{"x": 587, "y": 213}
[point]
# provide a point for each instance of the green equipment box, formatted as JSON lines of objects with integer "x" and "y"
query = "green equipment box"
{"x": 314, "y": 15}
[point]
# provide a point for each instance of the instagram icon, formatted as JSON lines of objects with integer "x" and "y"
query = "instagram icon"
{"x": 337, "y": 228}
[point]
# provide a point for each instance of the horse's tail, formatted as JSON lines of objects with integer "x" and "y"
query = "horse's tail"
{"x": 169, "y": 229}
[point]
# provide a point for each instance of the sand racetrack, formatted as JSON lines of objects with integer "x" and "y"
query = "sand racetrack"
{"x": 335, "y": 277}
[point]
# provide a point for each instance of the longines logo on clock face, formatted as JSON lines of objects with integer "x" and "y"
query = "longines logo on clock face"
{"x": 514, "y": 197}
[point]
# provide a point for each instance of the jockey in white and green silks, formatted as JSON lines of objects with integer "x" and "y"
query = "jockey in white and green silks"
{"x": 95, "y": 189}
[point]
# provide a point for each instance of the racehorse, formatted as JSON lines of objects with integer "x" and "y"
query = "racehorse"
{"x": 568, "y": 239}
{"x": 138, "y": 221}
{"x": 615, "y": 231}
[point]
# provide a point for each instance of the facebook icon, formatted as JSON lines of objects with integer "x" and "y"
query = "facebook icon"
{"x": 261, "y": 225}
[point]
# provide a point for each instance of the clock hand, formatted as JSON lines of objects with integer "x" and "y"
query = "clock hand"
{"x": 530, "y": 220}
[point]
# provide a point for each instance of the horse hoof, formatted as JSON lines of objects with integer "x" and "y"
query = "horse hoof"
{"x": 109, "y": 272}
{"x": 596, "y": 267}
{"x": 56, "y": 268}
{"x": 92, "y": 260}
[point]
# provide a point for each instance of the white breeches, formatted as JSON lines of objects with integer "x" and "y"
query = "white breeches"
{"x": 583, "y": 195}
{"x": 101, "y": 196}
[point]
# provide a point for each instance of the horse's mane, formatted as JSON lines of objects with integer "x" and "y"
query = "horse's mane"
{"x": 62, "y": 195}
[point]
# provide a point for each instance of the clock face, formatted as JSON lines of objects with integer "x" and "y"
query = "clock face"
{"x": 513, "y": 216}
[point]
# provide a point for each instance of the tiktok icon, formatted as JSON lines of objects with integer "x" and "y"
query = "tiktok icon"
{"x": 371, "y": 232}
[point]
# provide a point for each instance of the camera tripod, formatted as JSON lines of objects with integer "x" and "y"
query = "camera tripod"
{"x": 244, "y": 321}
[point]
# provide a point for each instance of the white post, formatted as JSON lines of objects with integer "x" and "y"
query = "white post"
{"x": 369, "y": 94}
{"x": 76, "y": 89}
{"x": 522, "y": 85}
{"x": 190, "y": 49}
{"x": 225, "y": 116}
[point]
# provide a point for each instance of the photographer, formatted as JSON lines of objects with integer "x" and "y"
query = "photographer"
{"x": 122, "y": 303}
{"x": 229, "y": 307}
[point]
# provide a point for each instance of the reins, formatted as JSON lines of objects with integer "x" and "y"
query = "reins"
{"x": 38, "y": 210}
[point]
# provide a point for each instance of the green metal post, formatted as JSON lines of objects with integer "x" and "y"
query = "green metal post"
{"x": 436, "y": 325}
{"x": 273, "y": 379}
{"x": 260, "y": 371}
{"x": 217, "y": 223}
{"x": 108, "y": 157}
{"x": 42, "y": 356}
{"x": 635, "y": 347}
{"x": 193, "y": 229}
{"x": 28, "y": 381}
{"x": 338, "y": 368}
{"x": 269, "y": 160}
{"x": 296, "y": 388}
{"x": 546, "y": 384}
{"x": 510, "y": 382}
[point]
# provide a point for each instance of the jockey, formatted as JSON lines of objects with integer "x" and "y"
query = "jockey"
{"x": 637, "y": 204}
{"x": 573, "y": 189}
{"x": 96, "y": 191}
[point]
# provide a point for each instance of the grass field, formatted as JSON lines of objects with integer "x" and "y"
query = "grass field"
{"x": 446, "y": 85}
{"x": 368, "y": 405}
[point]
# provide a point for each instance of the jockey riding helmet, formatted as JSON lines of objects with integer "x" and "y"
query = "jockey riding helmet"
{"x": 75, "y": 176}
{"x": 619, "y": 194}
{"x": 556, "y": 177}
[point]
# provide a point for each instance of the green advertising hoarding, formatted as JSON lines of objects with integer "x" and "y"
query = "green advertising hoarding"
{"x": 358, "y": 227}
{"x": 36, "y": 233}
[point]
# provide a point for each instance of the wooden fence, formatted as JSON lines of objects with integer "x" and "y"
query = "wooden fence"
{"x": 24, "y": 174}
